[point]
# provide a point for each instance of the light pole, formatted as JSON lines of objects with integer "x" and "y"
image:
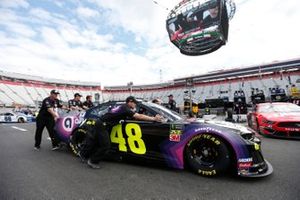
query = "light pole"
{"x": 130, "y": 84}
{"x": 189, "y": 84}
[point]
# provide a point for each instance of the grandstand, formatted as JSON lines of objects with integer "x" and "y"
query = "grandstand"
{"x": 24, "y": 90}
{"x": 218, "y": 84}
{"x": 20, "y": 89}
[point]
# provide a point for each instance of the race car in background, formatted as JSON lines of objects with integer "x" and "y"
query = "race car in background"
{"x": 208, "y": 148}
{"x": 276, "y": 119}
{"x": 13, "y": 117}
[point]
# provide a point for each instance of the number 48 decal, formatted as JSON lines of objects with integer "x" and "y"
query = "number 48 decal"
{"x": 135, "y": 141}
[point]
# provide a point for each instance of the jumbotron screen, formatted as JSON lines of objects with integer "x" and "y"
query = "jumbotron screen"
{"x": 196, "y": 27}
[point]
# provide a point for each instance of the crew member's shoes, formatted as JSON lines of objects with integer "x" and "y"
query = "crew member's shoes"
{"x": 37, "y": 148}
{"x": 93, "y": 165}
{"x": 56, "y": 147}
{"x": 82, "y": 158}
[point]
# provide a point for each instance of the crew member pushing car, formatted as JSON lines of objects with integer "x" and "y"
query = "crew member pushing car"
{"x": 100, "y": 140}
{"x": 75, "y": 104}
{"x": 88, "y": 103}
{"x": 46, "y": 118}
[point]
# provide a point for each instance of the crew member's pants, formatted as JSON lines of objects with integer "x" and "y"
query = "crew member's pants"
{"x": 41, "y": 123}
{"x": 96, "y": 144}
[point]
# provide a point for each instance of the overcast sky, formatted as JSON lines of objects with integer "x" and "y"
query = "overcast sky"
{"x": 118, "y": 41}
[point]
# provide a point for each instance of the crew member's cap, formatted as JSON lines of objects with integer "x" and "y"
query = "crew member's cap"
{"x": 54, "y": 92}
{"x": 77, "y": 95}
{"x": 131, "y": 99}
{"x": 171, "y": 95}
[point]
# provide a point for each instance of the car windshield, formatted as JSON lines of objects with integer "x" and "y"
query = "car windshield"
{"x": 286, "y": 108}
{"x": 164, "y": 112}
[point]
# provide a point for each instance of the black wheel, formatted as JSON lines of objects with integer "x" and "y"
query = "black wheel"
{"x": 207, "y": 155}
{"x": 21, "y": 120}
{"x": 76, "y": 140}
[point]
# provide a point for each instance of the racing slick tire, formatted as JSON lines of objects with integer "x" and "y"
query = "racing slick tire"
{"x": 76, "y": 139}
{"x": 207, "y": 155}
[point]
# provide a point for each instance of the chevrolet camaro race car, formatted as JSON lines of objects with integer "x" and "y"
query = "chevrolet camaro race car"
{"x": 13, "y": 117}
{"x": 208, "y": 148}
{"x": 276, "y": 119}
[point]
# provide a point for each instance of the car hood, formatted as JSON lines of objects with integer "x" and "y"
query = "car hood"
{"x": 237, "y": 128}
{"x": 280, "y": 117}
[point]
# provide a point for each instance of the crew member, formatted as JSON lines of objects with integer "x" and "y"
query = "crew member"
{"x": 171, "y": 103}
{"x": 100, "y": 140}
{"x": 88, "y": 103}
{"x": 75, "y": 104}
{"x": 46, "y": 118}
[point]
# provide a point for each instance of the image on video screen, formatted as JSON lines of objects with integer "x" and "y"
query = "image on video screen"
{"x": 198, "y": 28}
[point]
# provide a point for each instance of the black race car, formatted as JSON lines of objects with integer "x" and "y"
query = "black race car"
{"x": 209, "y": 148}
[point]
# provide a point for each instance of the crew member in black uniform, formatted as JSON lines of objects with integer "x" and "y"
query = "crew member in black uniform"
{"x": 75, "y": 104}
{"x": 88, "y": 103}
{"x": 46, "y": 118}
{"x": 97, "y": 142}
{"x": 171, "y": 103}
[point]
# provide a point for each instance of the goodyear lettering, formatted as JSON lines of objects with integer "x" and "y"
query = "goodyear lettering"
{"x": 75, "y": 151}
{"x": 206, "y": 136}
{"x": 207, "y": 129}
{"x": 207, "y": 173}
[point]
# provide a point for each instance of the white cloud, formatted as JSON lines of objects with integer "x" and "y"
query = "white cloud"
{"x": 87, "y": 12}
{"x": 14, "y": 3}
{"x": 261, "y": 31}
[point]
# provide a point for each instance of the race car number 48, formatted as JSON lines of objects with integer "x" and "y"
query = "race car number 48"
{"x": 134, "y": 140}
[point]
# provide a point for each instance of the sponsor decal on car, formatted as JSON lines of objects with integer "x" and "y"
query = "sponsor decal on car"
{"x": 244, "y": 163}
{"x": 175, "y": 132}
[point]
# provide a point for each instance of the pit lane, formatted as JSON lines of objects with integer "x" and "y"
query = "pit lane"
{"x": 27, "y": 174}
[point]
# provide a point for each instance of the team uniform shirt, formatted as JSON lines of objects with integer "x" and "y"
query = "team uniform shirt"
{"x": 75, "y": 103}
{"x": 88, "y": 104}
{"x": 117, "y": 114}
{"x": 48, "y": 103}
{"x": 172, "y": 105}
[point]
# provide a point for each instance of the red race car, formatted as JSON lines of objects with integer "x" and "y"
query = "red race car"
{"x": 276, "y": 119}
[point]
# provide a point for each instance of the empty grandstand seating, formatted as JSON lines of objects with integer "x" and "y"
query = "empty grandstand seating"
{"x": 28, "y": 90}
{"x": 206, "y": 87}
{"x": 16, "y": 89}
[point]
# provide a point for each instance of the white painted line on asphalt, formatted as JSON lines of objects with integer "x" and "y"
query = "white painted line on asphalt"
{"x": 20, "y": 129}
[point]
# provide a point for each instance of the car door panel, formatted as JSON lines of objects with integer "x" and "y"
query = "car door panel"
{"x": 141, "y": 139}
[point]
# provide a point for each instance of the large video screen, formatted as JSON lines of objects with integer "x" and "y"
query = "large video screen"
{"x": 194, "y": 19}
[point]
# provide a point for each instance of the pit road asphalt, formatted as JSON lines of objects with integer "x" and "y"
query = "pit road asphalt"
{"x": 28, "y": 174}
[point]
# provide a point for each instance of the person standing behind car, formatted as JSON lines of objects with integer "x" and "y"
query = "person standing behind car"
{"x": 76, "y": 104}
{"x": 46, "y": 118}
{"x": 88, "y": 103}
{"x": 97, "y": 143}
{"x": 171, "y": 103}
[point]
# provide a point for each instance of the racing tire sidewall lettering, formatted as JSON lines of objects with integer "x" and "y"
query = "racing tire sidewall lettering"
{"x": 76, "y": 140}
{"x": 222, "y": 161}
